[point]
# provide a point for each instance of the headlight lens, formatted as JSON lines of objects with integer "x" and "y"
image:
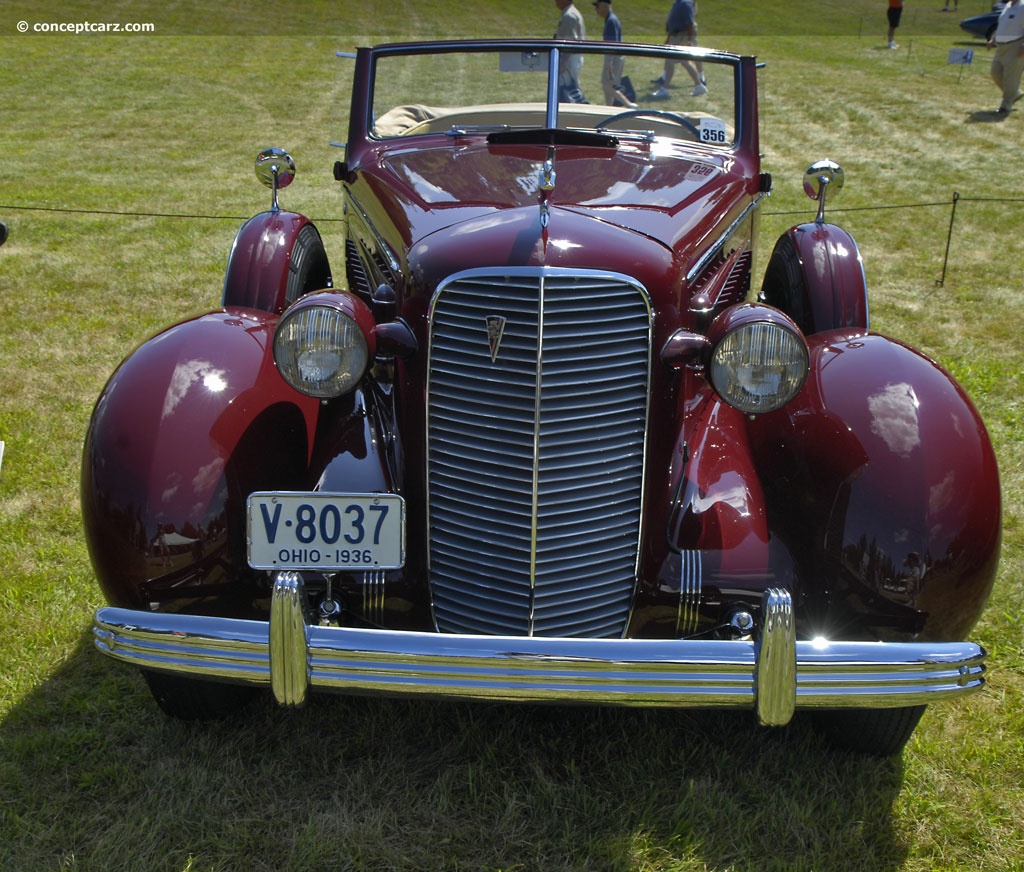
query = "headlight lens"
{"x": 759, "y": 367}
{"x": 320, "y": 351}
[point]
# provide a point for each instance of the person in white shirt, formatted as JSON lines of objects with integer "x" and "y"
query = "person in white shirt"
{"x": 1008, "y": 62}
{"x": 570, "y": 26}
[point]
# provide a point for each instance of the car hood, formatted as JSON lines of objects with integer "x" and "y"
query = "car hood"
{"x": 670, "y": 197}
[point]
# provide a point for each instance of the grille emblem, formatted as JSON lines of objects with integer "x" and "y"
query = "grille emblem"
{"x": 495, "y": 330}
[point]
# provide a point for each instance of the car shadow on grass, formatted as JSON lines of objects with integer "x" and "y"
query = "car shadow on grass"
{"x": 95, "y": 776}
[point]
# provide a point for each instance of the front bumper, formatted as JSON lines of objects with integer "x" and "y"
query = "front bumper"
{"x": 775, "y": 674}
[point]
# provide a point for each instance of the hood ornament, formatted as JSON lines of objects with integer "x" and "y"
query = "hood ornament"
{"x": 546, "y": 183}
{"x": 495, "y": 330}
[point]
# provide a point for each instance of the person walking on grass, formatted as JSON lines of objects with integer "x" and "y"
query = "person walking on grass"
{"x": 570, "y": 26}
{"x": 894, "y": 13}
{"x": 1008, "y": 61}
{"x": 681, "y": 28}
{"x": 614, "y": 65}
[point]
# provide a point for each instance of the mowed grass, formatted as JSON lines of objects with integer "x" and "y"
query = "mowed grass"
{"x": 125, "y": 171}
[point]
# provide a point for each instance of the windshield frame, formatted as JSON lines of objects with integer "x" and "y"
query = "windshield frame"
{"x": 362, "y": 121}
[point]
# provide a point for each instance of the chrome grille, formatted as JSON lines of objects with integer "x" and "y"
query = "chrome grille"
{"x": 536, "y": 457}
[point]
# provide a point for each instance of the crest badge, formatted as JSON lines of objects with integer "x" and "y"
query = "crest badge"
{"x": 495, "y": 330}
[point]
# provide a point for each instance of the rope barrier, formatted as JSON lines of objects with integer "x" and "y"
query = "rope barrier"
{"x": 127, "y": 214}
{"x": 952, "y": 204}
{"x": 185, "y": 215}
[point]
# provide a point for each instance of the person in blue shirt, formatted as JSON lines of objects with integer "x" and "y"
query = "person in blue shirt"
{"x": 681, "y": 29}
{"x": 611, "y": 73}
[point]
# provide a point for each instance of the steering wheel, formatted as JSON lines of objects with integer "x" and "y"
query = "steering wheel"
{"x": 656, "y": 113}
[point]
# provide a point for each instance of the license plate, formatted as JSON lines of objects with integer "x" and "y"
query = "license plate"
{"x": 325, "y": 531}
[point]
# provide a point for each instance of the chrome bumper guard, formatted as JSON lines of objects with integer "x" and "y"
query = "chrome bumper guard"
{"x": 775, "y": 674}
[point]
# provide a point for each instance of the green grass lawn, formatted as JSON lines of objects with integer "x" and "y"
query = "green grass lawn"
{"x": 125, "y": 166}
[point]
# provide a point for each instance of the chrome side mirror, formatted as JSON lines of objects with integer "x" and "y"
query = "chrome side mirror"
{"x": 821, "y": 176}
{"x": 276, "y": 169}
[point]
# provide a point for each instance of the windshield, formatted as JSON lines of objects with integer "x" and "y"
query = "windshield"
{"x": 597, "y": 88}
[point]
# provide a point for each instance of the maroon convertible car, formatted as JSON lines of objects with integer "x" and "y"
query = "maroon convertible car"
{"x": 542, "y": 440}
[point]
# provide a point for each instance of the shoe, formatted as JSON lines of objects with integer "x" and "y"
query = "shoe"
{"x": 699, "y": 90}
{"x": 661, "y": 94}
{"x": 892, "y": 45}
{"x": 1002, "y": 110}
{"x": 659, "y": 81}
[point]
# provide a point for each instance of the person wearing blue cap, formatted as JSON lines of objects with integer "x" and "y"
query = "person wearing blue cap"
{"x": 614, "y": 65}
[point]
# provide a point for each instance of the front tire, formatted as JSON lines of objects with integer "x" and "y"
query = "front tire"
{"x": 784, "y": 286}
{"x": 872, "y": 732}
{"x": 309, "y": 269}
{"x": 190, "y": 699}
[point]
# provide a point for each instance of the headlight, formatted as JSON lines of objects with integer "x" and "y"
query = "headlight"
{"x": 324, "y": 343}
{"x": 759, "y": 366}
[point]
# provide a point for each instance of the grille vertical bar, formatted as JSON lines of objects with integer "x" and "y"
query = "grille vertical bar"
{"x": 536, "y": 457}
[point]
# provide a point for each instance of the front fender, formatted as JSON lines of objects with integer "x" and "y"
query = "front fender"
{"x": 276, "y": 258}
{"x": 189, "y": 424}
{"x": 886, "y": 477}
{"x": 721, "y": 549}
{"x": 816, "y": 276}
{"x": 719, "y": 504}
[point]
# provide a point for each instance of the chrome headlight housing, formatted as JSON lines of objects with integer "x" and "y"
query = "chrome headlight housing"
{"x": 759, "y": 361}
{"x": 324, "y": 344}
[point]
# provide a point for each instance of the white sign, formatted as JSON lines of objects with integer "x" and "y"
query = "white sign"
{"x": 325, "y": 531}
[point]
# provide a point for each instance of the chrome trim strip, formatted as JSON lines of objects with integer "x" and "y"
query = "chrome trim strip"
{"x": 641, "y": 672}
{"x": 373, "y": 583}
{"x": 691, "y": 569}
{"x": 538, "y": 384}
{"x": 720, "y": 243}
{"x": 381, "y": 246}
